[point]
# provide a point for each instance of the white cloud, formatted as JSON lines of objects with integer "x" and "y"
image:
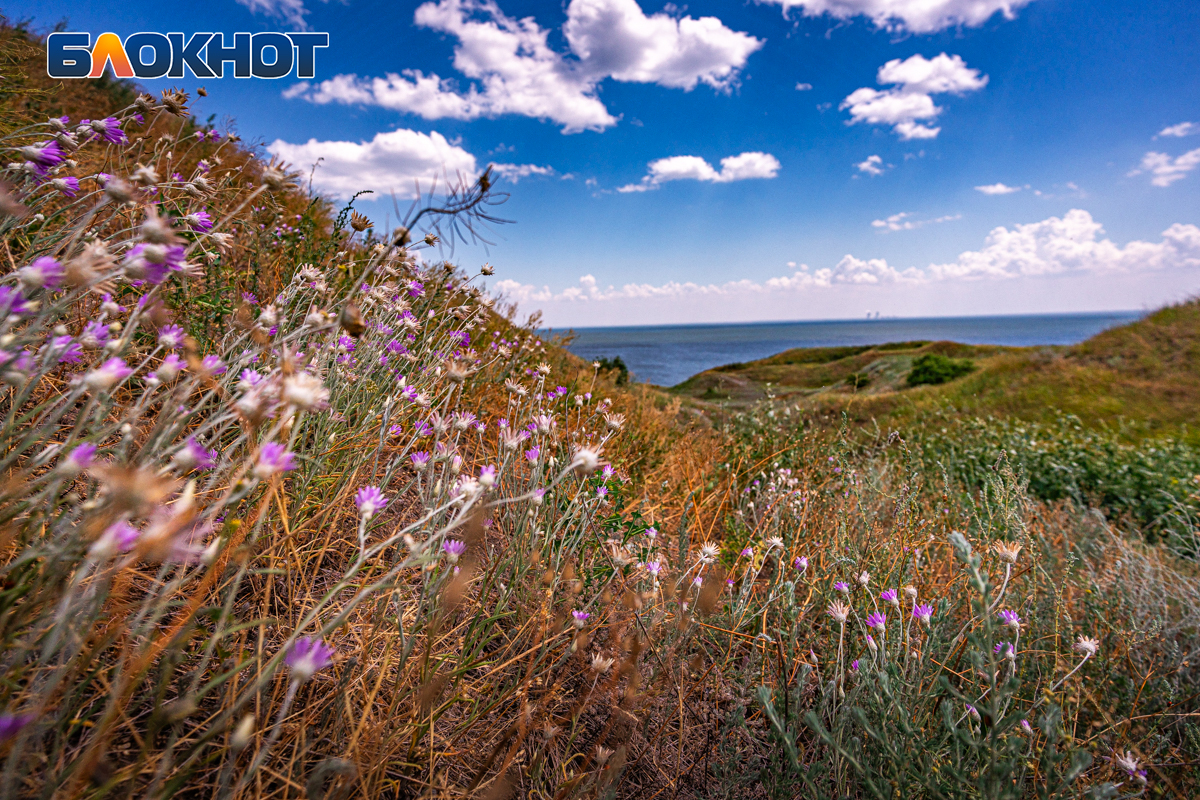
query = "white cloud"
{"x": 917, "y": 16}
{"x": 904, "y": 222}
{"x": 1165, "y": 169}
{"x": 872, "y": 166}
{"x": 514, "y": 172}
{"x": 910, "y": 101}
{"x": 997, "y": 188}
{"x": 1180, "y": 130}
{"x": 744, "y": 166}
{"x": 1073, "y": 244}
{"x": 392, "y": 161}
{"x": 803, "y": 87}
{"x": 513, "y": 69}
{"x": 289, "y": 11}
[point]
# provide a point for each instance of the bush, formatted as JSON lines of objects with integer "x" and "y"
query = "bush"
{"x": 617, "y": 363}
{"x": 857, "y": 380}
{"x": 934, "y": 368}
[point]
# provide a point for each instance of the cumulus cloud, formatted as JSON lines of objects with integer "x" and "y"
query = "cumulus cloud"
{"x": 1180, "y": 130}
{"x": 392, "y": 161}
{"x": 908, "y": 106}
{"x": 513, "y": 70}
{"x": 916, "y": 16}
{"x": 873, "y": 165}
{"x": 904, "y": 221}
{"x": 514, "y": 172}
{"x": 290, "y": 11}
{"x": 997, "y": 188}
{"x": 1166, "y": 170}
{"x": 1074, "y": 243}
{"x": 803, "y": 87}
{"x": 744, "y": 166}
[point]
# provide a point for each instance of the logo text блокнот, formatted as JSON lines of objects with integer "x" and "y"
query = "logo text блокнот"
{"x": 168, "y": 55}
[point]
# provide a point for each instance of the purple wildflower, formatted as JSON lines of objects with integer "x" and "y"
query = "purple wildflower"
{"x": 801, "y": 563}
{"x": 274, "y": 458}
{"x": 108, "y": 128}
{"x": 120, "y": 537}
{"x": 45, "y": 154}
{"x": 890, "y": 596}
{"x": 108, "y": 375}
{"x": 69, "y": 351}
{"x": 194, "y": 455}
{"x": 79, "y": 459}
{"x": 95, "y": 334}
{"x": 653, "y": 567}
{"x": 842, "y": 587}
{"x": 416, "y": 288}
{"x": 199, "y": 221}
{"x": 308, "y": 656}
{"x": 153, "y": 262}
{"x": 420, "y": 459}
{"x": 748, "y": 552}
{"x": 877, "y": 621}
{"x": 580, "y": 618}
{"x": 170, "y": 367}
{"x": 1010, "y": 619}
{"x": 67, "y": 187}
{"x": 601, "y": 492}
{"x": 12, "y": 301}
{"x": 454, "y": 548}
{"x": 11, "y": 724}
{"x": 370, "y": 501}
{"x": 170, "y": 336}
{"x": 854, "y": 665}
{"x": 922, "y": 612}
{"x": 213, "y": 365}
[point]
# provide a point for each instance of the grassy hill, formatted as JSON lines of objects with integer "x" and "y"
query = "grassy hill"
{"x": 1146, "y": 374}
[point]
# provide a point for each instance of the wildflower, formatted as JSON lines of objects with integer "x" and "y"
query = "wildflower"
{"x": 747, "y": 552}
{"x": 580, "y": 618}
{"x": 11, "y": 724}
{"x": 1026, "y": 728}
{"x": 79, "y": 459}
{"x": 44, "y": 272}
{"x": 1004, "y": 649}
{"x": 974, "y": 712}
{"x": 601, "y": 492}
{"x": 1007, "y": 551}
{"x": 307, "y": 656}
{"x": 709, "y": 553}
{"x": 773, "y": 543}
{"x": 1130, "y": 765}
{"x": 922, "y": 612}
{"x": 801, "y": 564}
{"x": 487, "y": 269}
{"x": 871, "y": 643}
{"x": 46, "y": 154}
{"x": 305, "y": 391}
{"x": 854, "y": 665}
{"x": 107, "y": 376}
{"x": 117, "y": 189}
{"x": 653, "y": 567}
{"x": 454, "y": 548}
{"x": 864, "y": 578}
{"x": 651, "y": 533}
{"x": 420, "y": 459}
{"x": 1087, "y": 647}
{"x": 199, "y": 221}
{"x": 120, "y": 537}
{"x": 614, "y": 421}
{"x": 274, "y": 458}
{"x": 213, "y": 365}
{"x": 370, "y": 501}
{"x": 169, "y": 368}
{"x": 108, "y": 128}
{"x": 95, "y": 335}
{"x": 910, "y": 592}
{"x": 698, "y": 581}
{"x": 842, "y": 587}
{"x": 12, "y": 301}
{"x": 532, "y": 454}
{"x": 193, "y": 455}
{"x": 586, "y": 460}
{"x": 69, "y": 351}
{"x": 1010, "y": 619}
{"x": 890, "y": 596}
{"x": 877, "y": 621}
{"x": 67, "y": 187}
{"x": 487, "y": 476}
{"x": 153, "y": 262}
{"x": 170, "y": 336}
{"x": 838, "y": 610}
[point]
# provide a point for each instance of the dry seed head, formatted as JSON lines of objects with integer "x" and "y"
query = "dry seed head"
{"x": 1007, "y": 551}
{"x": 359, "y": 222}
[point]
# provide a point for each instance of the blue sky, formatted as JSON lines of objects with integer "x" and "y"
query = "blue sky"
{"x": 730, "y": 161}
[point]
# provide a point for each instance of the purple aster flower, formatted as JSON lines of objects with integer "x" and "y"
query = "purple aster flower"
{"x": 877, "y": 621}
{"x": 1003, "y": 649}
{"x": 923, "y": 612}
{"x": 890, "y": 596}
{"x": 842, "y": 587}
{"x": 580, "y": 617}
{"x": 274, "y": 458}
{"x": 12, "y": 301}
{"x": 11, "y": 724}
{"x": 871, "y": 643}
{"x": 420, "y": 459}
{"x": 601, "y": 492}
{"x": 308, "y": 656}
{"x": 854, "y": 665}
{"x": 214, "y": 135}
{"x": 45, "y": 154}
{"x": 416, "y": 288}
{"x": 653, "y": 567}
{"x": 213, "y": 365}
{"x": 153, "y": 262}
{"x": 250, "y": 298}
{"x": 108, "y": 128}
{"x": 199, "y": 221}
{"x": 801, "y": 563}
{"x": 80, "y": 458}
{"x": 194, "y": 455}
{"x": 95, "y": 334}
{"x": 454, "y": 548}
{"x": 68, "y": 186}
{"x": 120, "y": 537}
{"x": 171, "y": 366}
{"x": 1010, "y": 619}
{"x": 69, "y": 351}
{"x": 370, "y": 501}
{"x": 107, "y": 376}
{"x": 170, "y": 336}
{"x": 748, "y": 552}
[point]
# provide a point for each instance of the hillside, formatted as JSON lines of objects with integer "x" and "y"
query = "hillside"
{"x": 1146, "y": 373}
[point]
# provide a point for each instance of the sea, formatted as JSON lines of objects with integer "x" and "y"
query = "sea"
{"x": 666, "y": 355}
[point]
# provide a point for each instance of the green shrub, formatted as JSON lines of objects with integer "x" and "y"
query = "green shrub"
{"x": 933, "y": 368}
{"x": 858, "y": 380}
{"x": 617, "y": 363}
